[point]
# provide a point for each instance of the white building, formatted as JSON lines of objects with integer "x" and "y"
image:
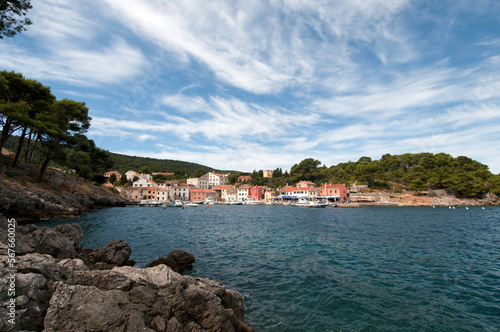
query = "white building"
{"x": 144, "y": 182}
{"x": 243, "y": 192}
{"x": 163, "y": 194}
{"x": 179, "y": 192}
{"x": 200, "y": 183}
{"x": 215, "y": 179}
{"x": 130, "y": 175}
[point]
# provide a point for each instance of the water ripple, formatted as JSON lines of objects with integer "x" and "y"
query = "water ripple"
{"x": 366, "y": 269}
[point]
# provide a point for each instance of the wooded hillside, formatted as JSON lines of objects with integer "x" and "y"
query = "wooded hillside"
{"x": 421, "y": 171}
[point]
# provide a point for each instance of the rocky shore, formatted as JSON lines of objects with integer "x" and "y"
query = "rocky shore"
{"x": 60, "y": 195}
{"x": 60, "y": 286}
{"x": 408, "y": 198}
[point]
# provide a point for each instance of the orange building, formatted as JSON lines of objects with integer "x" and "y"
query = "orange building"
{"x": 333, "y": 191}
{"x": 196, "y": 195}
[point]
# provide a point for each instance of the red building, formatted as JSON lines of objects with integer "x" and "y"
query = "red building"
{"x": 333, "y": 191}
{"x": 256, "y": 192}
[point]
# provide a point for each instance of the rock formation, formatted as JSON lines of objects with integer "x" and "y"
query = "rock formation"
{"x": 177, "y": 260}
{"x": 60, "y": 286}
{"x": 60, "y": 195}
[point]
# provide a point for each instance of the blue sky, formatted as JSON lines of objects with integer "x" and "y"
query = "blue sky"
{"x": 250, "y": 85}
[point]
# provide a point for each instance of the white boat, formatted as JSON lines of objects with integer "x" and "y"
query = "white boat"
{"x": 167, "y": 204}
{"x": 190, "y": 204}
{"x": 178, "y": 204}
{"x": 253, "y": 201}
{"x": 309, "y": 203}
{"x": 210, "y": 201}
{"x": 233, "y": 203}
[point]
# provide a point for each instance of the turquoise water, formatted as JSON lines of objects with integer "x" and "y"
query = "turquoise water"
{"x": 365, "y": 269}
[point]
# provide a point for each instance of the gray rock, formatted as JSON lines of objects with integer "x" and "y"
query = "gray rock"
{"x": 60, "y": 242}
{"x": 177, "y": 260}
{"x": 115, "y": 253}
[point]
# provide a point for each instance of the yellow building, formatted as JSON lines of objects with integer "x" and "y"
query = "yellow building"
{"x": 268, "y": 173}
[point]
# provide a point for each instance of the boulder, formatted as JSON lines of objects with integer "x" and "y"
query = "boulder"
{"x": 115, "y": 253}
{"x": 63, "y": 241}
{"x": 177, "y": 260}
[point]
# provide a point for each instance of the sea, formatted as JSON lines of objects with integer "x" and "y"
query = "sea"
{"x": 330, "y": 269}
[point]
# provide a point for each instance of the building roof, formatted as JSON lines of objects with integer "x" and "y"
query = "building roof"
{"x": 151, "y": 181}
{"x": 203, "y": 190}
{"x": 330, "y": 185}
{"x": 222, "y": 187}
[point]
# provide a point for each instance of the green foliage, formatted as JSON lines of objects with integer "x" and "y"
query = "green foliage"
{"x": 27, "y": 106}
{"x": 306, "y": 170}
{"x": 124, "y": 163}
{"x": 145, "y": 170}
{"x": 87, "y": 159}
{"x": 258, "y": 178}
{"x": 233, "y": 177}
{"x": 11, "y": 15}
{"x": 123, "y": 179}
{"x": 494, "y": 184}
{"x": 418, "y": 172}
{"x": 199, "y": 172}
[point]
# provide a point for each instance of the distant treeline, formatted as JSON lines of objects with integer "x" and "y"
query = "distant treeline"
{"x": 420, "y": 172}
{"x": 123, "y": 163}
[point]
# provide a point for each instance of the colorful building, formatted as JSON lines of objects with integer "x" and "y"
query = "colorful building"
{"x": 336, "y": 192}
{"x": 256, "y": 192}
{"x": 268, "y": 173}
{"x": 196, "y": 195}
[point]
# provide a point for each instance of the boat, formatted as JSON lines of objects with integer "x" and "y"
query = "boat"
{"x": 253, "y": 201}
{"x": 178, "y": 204}
{"x": 167, "y": 204}
{"x": 233, "y": 203}
{"x": 210, "y": 201}
{"x": 309, "y": 203}
{"x": 190, "y": 204}
{"x": 152, "y": 202}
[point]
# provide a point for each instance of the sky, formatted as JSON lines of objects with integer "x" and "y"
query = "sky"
{"x": 251, "y": 85}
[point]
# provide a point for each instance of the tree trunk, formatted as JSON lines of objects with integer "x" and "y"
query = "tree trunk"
{"x": 45, "y": 165}
{"x": 32, "y": 155}
{"x": 26, "y": 154}
{"x": 5, "y": 132}
{"x": 19, "y": 147}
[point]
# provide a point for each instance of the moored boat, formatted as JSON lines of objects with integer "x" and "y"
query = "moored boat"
{"x": 253, "y": 201}
{"x": 309, "y": 203}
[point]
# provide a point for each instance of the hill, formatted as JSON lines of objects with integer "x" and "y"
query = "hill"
{"x": 123, "y": 163}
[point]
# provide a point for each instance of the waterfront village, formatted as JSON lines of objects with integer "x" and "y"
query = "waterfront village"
{"x": 214, "y": 187}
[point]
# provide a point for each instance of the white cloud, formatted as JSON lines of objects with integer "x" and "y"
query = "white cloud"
{"x": 65, "y": 50}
